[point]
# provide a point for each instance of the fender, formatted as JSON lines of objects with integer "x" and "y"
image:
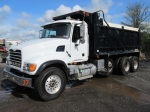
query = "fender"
{"x": 48, "y": 63}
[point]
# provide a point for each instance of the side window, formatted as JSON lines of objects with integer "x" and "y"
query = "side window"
{"x": 50, "y": 33}
{"x": 47, "y": 33}
{"x": 76, "y": 34}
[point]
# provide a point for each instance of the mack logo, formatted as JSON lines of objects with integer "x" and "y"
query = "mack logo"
{"x": 15, "y": 64}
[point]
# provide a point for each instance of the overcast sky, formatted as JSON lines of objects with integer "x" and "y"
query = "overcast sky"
{"x": 23, "y": 18}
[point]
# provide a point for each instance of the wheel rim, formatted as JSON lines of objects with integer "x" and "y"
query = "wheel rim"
{"x": 127, "y": 66}
{"x": 110, "y": 66}
{"x": 135, "y": 64}
{"x": 53, "y": 84}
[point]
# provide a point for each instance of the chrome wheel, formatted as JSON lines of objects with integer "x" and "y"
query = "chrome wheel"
{"x": 127, "y": 66}
{"x": 53, "y": 84}
{"x": 124, "y": 65}
{"x": 135, "y": 64}
{"x": 110, "y": 66}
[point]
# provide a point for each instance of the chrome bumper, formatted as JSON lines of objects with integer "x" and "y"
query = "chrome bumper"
{"x": 22, "y": 81}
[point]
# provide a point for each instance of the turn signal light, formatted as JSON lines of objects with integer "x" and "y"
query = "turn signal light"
{"x": 32, "y": 67}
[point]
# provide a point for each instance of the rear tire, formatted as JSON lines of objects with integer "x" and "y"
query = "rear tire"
{"x": 50, "y": 84}
{"x": 116, "y": 66}
{"x": 110, "y": 67}
{"x": 134, "y": 62}
{"x": 124, "y": 65}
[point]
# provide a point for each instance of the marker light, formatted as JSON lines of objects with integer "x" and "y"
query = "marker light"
{"x": 29, "y": 67}
{"x": 32, "y": 67}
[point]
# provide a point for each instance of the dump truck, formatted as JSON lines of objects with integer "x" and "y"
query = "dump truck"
{"x": 5, "y": 44}
{"x": 74, "y": 46}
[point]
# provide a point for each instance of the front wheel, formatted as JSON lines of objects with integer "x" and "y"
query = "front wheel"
{"x": 50, "y": 84}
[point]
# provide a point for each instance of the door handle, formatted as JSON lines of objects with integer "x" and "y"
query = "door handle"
{"x": 76, "y": 45}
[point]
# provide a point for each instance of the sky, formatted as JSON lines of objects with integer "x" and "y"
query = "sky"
{"x": 23, "y": 18}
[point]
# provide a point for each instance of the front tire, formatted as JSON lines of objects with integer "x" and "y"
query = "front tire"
{"x": 116, "y": 66}
{"x": 50, "y": 84}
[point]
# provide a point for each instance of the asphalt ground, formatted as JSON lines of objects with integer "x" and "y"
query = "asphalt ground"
{"x": 99, "y": 94}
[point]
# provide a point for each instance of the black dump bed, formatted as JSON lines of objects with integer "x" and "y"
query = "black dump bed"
{"x": 113, "y": 39}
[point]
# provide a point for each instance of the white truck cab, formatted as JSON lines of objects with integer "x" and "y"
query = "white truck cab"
{"x": 59, "y": 41}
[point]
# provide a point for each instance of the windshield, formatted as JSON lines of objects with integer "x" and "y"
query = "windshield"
{"x": 61, "y": 30}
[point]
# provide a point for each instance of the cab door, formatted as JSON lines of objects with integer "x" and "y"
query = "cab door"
{"x": 79, "y": 50}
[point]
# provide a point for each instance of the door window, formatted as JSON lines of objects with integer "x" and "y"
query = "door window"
{"x": 76, "y": 34}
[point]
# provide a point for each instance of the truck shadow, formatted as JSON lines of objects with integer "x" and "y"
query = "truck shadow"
{"x": 28, "y": 93}
{"x": 18, "y": 91}
{"x": 104, "y": 76}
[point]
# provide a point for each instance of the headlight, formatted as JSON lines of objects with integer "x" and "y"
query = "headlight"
{"x": 29, "y": 67}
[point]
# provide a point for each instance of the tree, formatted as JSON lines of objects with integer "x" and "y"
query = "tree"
{"x": 136, "y": 13}
{"x": 145, "y": 37}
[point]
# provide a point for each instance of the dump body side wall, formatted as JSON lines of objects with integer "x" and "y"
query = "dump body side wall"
{"x": 105, "y": 40}
{"x": 113, "y": 41}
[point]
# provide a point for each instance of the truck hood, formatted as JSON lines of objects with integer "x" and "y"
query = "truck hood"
{"x": 42, "y": 50}
{"x": 40, "y": 47}
{"x": 39, "y": 43}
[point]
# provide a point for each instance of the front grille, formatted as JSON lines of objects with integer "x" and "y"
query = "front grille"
{"x": 15, "y": 57}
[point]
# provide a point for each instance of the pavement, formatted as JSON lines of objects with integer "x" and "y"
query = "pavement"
{"x": 115, "y": 93}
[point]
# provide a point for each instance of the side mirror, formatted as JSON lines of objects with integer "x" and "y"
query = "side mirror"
{"x": 82, "y": 30}
{"x": 82, "y": 33}
{"x": 40, "y": 33}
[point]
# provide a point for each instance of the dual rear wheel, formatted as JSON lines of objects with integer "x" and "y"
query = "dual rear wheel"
{"x": 134, "y": 62}
{"x": 125, "y": 65}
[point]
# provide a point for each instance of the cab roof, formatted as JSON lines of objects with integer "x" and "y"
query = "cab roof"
{"x": 62, "y": 21}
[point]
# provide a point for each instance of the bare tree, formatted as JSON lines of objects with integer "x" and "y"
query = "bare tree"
{"x": 136, "y": 14}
